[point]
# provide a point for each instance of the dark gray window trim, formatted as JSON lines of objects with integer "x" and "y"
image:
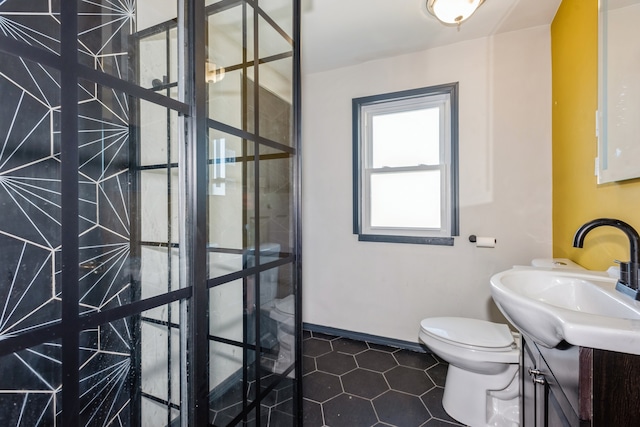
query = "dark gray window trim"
{"x": 441, "y": 241}
{"x": 452, "y": 90}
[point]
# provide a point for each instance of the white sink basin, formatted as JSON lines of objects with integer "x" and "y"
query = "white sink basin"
{"x": 580, "y": 307}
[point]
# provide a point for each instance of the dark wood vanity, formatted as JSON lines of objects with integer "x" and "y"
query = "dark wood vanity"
{"x": 577, "y": 386}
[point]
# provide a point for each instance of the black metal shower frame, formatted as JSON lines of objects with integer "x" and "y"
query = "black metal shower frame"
{"x": 70, "y": 326}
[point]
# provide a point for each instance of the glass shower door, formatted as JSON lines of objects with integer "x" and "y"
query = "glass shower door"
{"x": 149, "y": 265}
{"x": 252, "y": 247}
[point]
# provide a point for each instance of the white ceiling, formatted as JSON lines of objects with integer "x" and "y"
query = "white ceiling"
{"x": 338, "y": 33}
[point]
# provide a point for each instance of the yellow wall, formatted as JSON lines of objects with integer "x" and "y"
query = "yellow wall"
{"x": 577, "y": 198}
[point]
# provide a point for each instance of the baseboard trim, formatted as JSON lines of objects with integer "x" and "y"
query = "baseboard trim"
{"x": 359, "y": 336}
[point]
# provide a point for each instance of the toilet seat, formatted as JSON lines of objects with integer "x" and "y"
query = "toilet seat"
{"x": 472, "y": 334}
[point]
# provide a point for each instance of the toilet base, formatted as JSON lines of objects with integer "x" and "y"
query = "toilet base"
{"x": 285, "y": 355}
{"x": 480, "y": 400}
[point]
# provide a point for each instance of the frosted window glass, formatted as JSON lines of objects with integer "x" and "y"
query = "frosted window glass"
{"x": 406, "y": 199}
{"x": 407, "y": 138}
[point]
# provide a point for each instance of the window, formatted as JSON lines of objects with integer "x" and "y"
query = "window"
{"x": 405, "y": 166}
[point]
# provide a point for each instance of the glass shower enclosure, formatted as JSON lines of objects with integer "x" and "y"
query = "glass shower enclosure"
{"x": 149, "y": 227}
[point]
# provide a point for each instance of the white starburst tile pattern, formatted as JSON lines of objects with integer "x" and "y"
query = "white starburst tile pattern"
{"x": 30, "y": 219}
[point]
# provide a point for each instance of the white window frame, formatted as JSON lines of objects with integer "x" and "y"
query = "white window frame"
{"x": 444, "y": 98}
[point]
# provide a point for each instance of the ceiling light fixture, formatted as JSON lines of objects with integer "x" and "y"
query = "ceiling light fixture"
{"x": 453, "y": 12}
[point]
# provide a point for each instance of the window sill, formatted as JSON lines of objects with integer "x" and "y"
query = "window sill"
{"x": 440, "y": 241}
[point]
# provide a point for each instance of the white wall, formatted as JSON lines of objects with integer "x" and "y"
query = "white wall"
{"x": 385, "y": 289}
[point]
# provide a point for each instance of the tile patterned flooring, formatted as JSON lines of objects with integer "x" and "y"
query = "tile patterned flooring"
{"x": 350, "y": 383}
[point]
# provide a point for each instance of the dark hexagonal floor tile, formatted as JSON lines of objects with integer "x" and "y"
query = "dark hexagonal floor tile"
{"x": 433, "y": 400}
{"x": 336, "y": 363}
{"x": 319, "y": 386}
{"x": 224, "y": 417}
{"x": 400, "y": 409}
{"x": 327, "y": 337}
{"x": 282, "y": 414}
{"x": 438, "y": 374}
{"x": 308, "y": 364}
{"x": 314, "y": 347}
{"x": 409, "y": 380}
{"x": 311, "y": 414}
{"x": 364, "y": 383}
{"x": 376, "y": 360}
{"x": 414, "y": 359}
{"x": 349, "y": 411}
{"x": 349, "y": 346}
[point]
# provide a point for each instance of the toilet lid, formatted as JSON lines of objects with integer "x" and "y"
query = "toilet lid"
{"x": 470, "y": 332}
{"x": 286, "y": 305}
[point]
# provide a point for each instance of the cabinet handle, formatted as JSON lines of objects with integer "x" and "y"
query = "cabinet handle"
{"x": 537, "y": 376}
{"x": 539, "y": 379}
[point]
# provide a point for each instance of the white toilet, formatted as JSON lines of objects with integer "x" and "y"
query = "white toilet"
{"x": 482, "y": 386}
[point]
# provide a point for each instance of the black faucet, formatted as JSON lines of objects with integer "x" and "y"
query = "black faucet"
{"x": 628, "y": 282}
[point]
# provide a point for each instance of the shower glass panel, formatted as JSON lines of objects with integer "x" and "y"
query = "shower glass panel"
{"x": 277, "y": 407}
{"x": 30, "y": 196}
{"x": 251, "y": 214}
{"x": 274, "y": 98}
{"x": 226, "y": 311}
{"x": 159, "y": 368}
{"x": 30, "y": 386}
{"x": 104, "y": 27}
{"x": 230, "y": 41}
{"x": 104, "y": 199}
{"x": 148, "y": 238}
{"x": 276, "y": 201}
{"x": 231, "y": 392}
{"x": 228, "y": 200}
{"x": 105, "y": 364}
{"x": 158, "y": 57}
{"x": 34, "y": 23}
{"x": 107, "y": 394}
{"x": 281, "y": 13}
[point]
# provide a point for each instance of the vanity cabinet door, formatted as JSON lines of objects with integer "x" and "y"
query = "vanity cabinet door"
{"x": 533, "y": 392}
{"x": 544, "y": 403}
{"x": 555, "y": 415}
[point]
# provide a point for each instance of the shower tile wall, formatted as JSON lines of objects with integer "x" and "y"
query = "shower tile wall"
{"x": 30, "y": 220}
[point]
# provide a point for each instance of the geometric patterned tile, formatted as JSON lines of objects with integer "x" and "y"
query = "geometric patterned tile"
{"x": 315, "y": 347}
{"x": 363, "y": 383}
{"x": 349, "y": 346}
{"x": 308, "y": 364}
{"x": 321, "y": 386}
{"x": 433, "y": 400}
{"x": 349, "y": 411}
{"x": 400, "y": 385}
{"x": 336, "y": 363}
{"x": 376, "y": 360}
{"x": 438, "y": 374}
{"x": 312, "y": 414}
{"x": 414, "y": 359}
{"x": 401, "y": 409}
{"x": 409, "y": 380}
